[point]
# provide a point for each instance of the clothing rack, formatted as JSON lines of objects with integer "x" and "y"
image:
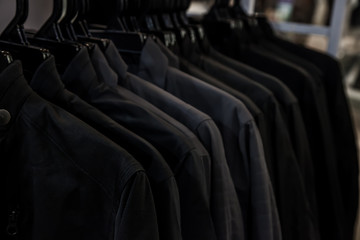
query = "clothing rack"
{"x": 333, "y": 32}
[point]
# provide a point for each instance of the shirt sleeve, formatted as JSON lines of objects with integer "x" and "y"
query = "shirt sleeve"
{"x": 265, "y": 218}
{"x": 136, "y": 215}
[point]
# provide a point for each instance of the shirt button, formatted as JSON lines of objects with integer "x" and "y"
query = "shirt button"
{"x": 5, "y": 117}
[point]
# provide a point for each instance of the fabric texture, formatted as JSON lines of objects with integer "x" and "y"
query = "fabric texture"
{"x": 242, "y": 141}
{"x": 225, "y": 208}
{"x": 183, "y": 152}
{"x": 54, "y": 179}
{"x": 47, "y": 83}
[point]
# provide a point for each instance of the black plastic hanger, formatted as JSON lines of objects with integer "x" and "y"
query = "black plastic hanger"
{"x": 68, "y": 31}
{"x": 104, "y": 22}
{"x": 30, "y": 56}
{"x": 152, "y": 21}
{"x": 51, "y": 29}
{"x": 220, "y": 21}
{"x": 80, "y": 24}
{"x": 15, "y": 41}
{"x": 50, "y": 36}
{"x": 14, "y": 32}
{"x": 105, "y": 16}
{"x": 65, "y": 24}
{"x": 255, "y": 26}
{"x": 5, "y": 60}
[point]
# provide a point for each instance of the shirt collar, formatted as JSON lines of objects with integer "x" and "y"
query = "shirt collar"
{"x": 104, "y": 72}
{"x": 172, "y": 58}
{"x": 14, "y": 89}
{"x": 153, "y": 62}
{"x": 115, "y": 60}
{"x": 46, "y": 80}
{"x": 80, "y": 75}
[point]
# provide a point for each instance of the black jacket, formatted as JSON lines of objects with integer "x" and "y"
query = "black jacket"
{"x": 243, "y": 145}
{"x": 181, "y": 149}
{"x": 310, "y": 94}
{"x": 342, "y": 125}
{"x": 47, "y": 83}
{"x": 64, "y": 179}
{"x": 225, "y": 208}
{"x": 287, "y": 179}
{"x": 289, "y": 107}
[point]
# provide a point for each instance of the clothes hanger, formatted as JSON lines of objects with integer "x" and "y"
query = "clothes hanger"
{"x": 66, "y": 25}
{"x": 50, "y": 36}
{"x": 5, "y": 60}
{"x": 141, "y": 16}
{"x": 257, "y": 24}
{"x": 14, "y": 40}
{"x": 164, "y": 8}
{"x": 183, "y": 5}
{"x": 51, "y": 29}
{"x": 195, "y": 30}
{"x": 80, "y": 24}
{"x": 14, "y": 32}
{"x": 176, "y": 5}
{"x": 106, "y": 22}
{"x": 220, "y": 22}
{"x": 184, "y": 32}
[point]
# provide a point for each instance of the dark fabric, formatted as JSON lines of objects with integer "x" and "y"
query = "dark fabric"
{"x": 291, "y": 113}
{"x": 256, "y": 113}
{"x": 225, "y": 208}
{"x": 193, "y": 70}
{"x": 283, "y": 166}
{"x": 321, "y": 141}
{"x": 93, "y": 191}
{"x": 342, "y": 125}
{"x": 272, "y": 48}
{"x": 172, "y": 58}
{"x": 182, "y": 151}
{"x": 47, "y": 83}
{"x": 243, "y": 146}
{"x": 316, "y": 118}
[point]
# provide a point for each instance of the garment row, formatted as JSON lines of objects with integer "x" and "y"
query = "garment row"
{"x": 218, "y": 143}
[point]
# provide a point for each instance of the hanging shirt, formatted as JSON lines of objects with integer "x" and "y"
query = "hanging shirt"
{"x": 293, "y": 194}
{"x": 225, "y": 208}
{"x": 320, "y": 136}
{"x": 46, "y": 82}
{"x": 282, "y": 163}
{"x": 342, "y": 125}
{"x": 193, "y": 70}
{"x": 291, "y": 113}
{"x": 70, "y": 181}
{"x": 185, "y": 155}
{"x": 243, "y": 146}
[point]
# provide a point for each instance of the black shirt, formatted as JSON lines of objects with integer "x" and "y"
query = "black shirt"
{"x": 320, "y": 136}
{"x": 225, "y": 208}
{"x": 243, "y": 145}
{"x": 342, "y": 124}
{"x": 189, "y": 162}
{"x": 47, "y": 83}
{"x": 256, "y": 113}
{"x": 72, "y": 181}
{"x": 290, "y": 110}
{"x": 283, "y": 166}
{"x": 288, "y": 107}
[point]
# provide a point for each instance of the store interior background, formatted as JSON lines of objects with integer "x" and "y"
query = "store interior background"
{"x": 316, "y": 12}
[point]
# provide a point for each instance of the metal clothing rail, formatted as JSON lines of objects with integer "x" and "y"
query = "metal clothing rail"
{"x": 333, "y": 32}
